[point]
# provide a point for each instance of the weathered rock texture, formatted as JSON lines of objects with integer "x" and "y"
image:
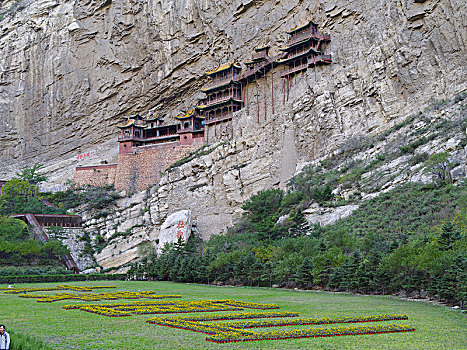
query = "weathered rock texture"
{"x": 70, "y": 69}
{"x": 72, "y": 238}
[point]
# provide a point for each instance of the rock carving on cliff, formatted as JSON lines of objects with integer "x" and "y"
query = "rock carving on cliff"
{"x": 177, "y": 225}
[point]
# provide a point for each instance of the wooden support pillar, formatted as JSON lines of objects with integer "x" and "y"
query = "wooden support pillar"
{"x": 247, "y": 101}
{"x": 283, "y": 91}
{"x": 272, "y": 91}
{"x": 264, "y": 97}
{"x": 257, "y": 99}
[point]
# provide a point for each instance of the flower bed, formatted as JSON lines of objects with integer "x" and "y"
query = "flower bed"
{"x": 235, "y": 331}
{"x": 315, "y": 321}
{"x": 172, "y": 306}
{"x": 59, "y": 287}
{"x": 232, "y": 316}
{"x": 229, "y": 337}
{"x": 97, "y": 296}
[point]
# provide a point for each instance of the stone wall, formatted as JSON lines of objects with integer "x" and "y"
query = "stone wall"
{"x": 95, "y": 175}
{"x": 142, "y": 168}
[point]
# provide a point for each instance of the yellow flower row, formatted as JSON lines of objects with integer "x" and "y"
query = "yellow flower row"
{"x": 226, "y": 337}
{"x": 248, "y": 305}
{"x": 59, "y": 287}
{"x": 315, "y": 321}
{"x": 230, "y": 316}
{"x": 172, "y": 306}
{"x": 97, "y": 296}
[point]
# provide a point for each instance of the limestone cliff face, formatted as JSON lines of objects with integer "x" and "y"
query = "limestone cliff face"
{"x": 70, "y": 69}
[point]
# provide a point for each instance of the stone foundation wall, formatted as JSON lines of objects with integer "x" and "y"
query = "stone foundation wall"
{"x": 142, "y": 168}
{"x": 98, "y": 175}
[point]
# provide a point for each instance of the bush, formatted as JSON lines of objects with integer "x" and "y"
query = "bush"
{"x": 61, "y": 278}
{"x": 93, "y": 197}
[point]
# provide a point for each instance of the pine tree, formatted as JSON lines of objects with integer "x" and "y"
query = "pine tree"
{"x": 447, "y": 236}
{"x": 304, "y": 274}
{"x": 298, "y": 224}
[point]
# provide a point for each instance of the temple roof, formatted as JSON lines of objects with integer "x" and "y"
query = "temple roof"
{"x": 224, "y": 67}
{"x": 262, "y": 48}
{"x": 126, "y": 123}
{"x": 283, "y": 60}
{"x": 215, "y": 86}
{"x": 218, "y": 103}
{"x": 186, "y": 113}
{"x": 286, "y": 48}
{"x": 139, "y": 123}
{"x": 304, "y": 26}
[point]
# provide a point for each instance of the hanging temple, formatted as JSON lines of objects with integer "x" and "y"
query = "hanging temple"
{"x": 210, "y": 118}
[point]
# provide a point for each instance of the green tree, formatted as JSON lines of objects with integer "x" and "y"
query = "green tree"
{"x": 32, "y": 175}
{"x": 304, "y": 274}
{"x": 439, "y": 166}
{"x": 261, "y": 211}
{"x": 449, "y": 233}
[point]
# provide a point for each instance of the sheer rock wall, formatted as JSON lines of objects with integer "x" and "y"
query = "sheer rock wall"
{"x": 70, "y": 69}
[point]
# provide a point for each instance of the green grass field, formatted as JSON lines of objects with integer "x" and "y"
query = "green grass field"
{"x": 437, "y": 327}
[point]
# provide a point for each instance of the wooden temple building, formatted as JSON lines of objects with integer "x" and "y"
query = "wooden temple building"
{"x": 227, "y": 92}
{"x": 223, "y": 95}
{"x": 306, "y": 47}
{"x": 137, "y": 131}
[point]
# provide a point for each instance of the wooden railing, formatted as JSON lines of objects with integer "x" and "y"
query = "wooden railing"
{"x": 218, "y": 119}
{"x": 222, "y": 99}
{"x": 218, "y": 83}
{"x": 294, "y": 69}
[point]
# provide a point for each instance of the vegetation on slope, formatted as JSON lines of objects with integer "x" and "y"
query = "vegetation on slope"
{"x": 17, "y": 244}
{"x": 394, "y": 243}
{"x": 410, "y": 240}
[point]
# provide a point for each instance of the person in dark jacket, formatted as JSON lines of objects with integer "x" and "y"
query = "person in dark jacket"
{"x": 4, "y": 339}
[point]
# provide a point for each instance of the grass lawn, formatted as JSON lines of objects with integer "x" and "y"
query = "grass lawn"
{"x": 437, "y": 327}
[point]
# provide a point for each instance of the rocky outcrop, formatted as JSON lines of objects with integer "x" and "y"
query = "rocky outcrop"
{"x": 176, "y": 226}
{"x": 72, "y": 238}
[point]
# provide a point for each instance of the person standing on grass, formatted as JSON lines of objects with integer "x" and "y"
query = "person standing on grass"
{"x": 4, "y": 339}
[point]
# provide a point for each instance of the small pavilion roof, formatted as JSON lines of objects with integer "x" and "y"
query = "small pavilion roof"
{"x": 186, "y": 113}
{"x": 126, "y": 124}
{"x": 223, "y": 67}
{"x": 304, "y": 26}
{"x": 262, "y": 48}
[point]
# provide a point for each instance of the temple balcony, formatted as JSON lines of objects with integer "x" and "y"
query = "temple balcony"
{"x": 293, "y": 70}
{"x": 146, "y": 139}
{"x": 222, "y": 99}
{"x": 189, "y": 130}
{"x": 217, "y": 83}
{"x": 300, "y": 37}
{"x": 320, "y": 58}
{"x": 219, "y": 119}
{"x": 130, "y": 138}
